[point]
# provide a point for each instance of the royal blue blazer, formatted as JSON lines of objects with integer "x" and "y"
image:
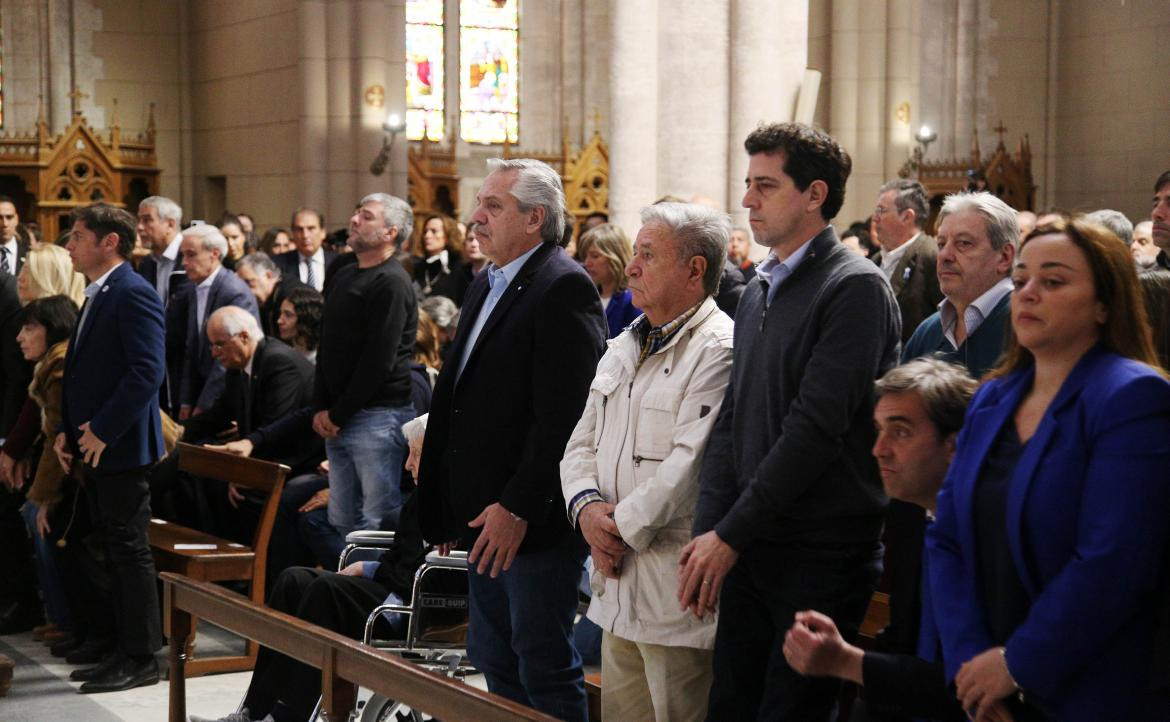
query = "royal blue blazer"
{"x": 620, "y": 312}
{"x": 113, "y": 370}
{"x": 1088, "y": 515}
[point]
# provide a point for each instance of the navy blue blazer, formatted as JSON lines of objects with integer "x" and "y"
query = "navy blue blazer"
{"x": 113, "y": 369}
{"x": 1088, "y": 515}
{"x": 497, "y": 432}
{"x": 202, "y": 378}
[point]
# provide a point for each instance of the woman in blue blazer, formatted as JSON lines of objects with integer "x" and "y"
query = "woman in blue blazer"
{"x": 1052, "y": 523}
{"x": 606, "y": 251}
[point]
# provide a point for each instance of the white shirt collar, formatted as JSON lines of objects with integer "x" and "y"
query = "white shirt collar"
{"x": 441, "y": 257}
{"x": 248, "y": 366}
{"x": 318, "y": 257}
{"x": 206, "y": 283}
{"x": 172, "y": 251}
{"x": 890, "y": 259}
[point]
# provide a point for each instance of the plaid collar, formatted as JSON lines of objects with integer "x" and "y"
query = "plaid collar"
{"x": 654, "y": 338}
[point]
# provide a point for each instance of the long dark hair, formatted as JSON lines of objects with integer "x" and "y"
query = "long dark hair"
{"x": 309, "y": 306}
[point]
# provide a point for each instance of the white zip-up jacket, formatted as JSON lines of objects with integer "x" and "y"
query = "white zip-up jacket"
{"x": 640, "y": 444}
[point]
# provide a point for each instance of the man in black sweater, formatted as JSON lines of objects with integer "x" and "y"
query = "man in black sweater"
{"x": 919, "y": 413}
{"x": 791, "y": 506}
{"x": 362, "y": 390}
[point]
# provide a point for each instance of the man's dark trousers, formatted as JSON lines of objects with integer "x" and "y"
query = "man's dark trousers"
{"x": 119, "y": 504}
{"x": 522, "y": 629}
{"x": 757, "y": 604}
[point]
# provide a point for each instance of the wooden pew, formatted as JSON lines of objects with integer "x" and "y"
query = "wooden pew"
{"x": 344, "y": 662}
{"x": 208, "y": 558}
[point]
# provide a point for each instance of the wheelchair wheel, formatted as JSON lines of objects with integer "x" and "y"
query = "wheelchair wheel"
{"x": 383, "y": 709}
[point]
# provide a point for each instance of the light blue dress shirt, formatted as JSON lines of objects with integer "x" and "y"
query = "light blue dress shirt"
{"x": 498, "y": 281}
{"x": 776, "y": 271}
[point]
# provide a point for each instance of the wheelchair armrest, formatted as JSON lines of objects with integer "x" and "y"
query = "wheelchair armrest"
{"x": 364, "y": 537}
{"x": 454, "y": 560}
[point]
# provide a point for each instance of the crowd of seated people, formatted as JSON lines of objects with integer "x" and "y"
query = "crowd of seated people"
{"x": 976, "y": 411}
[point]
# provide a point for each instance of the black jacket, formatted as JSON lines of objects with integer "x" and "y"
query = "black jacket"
{"x": 497, "y": 433}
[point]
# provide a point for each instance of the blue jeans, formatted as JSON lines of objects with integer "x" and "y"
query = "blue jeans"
{"x": 56, "y": 603}
{"x": 365, "y": 468}
{"x": 521, "y": 631}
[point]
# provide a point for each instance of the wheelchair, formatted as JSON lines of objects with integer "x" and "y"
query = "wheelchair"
{"x": 438, "y": 650}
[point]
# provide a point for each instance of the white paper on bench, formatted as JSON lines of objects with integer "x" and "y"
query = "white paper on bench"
{"x": 196, "y": 546}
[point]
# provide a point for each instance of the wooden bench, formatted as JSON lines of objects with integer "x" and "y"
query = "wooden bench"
{"x": 344, "y": 662}
{"x": 202, "y": 556}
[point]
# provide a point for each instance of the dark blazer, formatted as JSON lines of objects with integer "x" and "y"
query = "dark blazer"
{"x": 289, "y": 264}
{"x": 113, "y": 371}
{"x": 915, "y": 283}
{"x": 148, "y": 269}
{"x": 281, "y": 382}
{"x": 202, "y": 376}
{"x": 15, "y": 372}
{"x": 175, "y": 315}
{"x": 1088, "y": 515}
{"x": 452, "y": 283}
{"x": 497, "y": 433}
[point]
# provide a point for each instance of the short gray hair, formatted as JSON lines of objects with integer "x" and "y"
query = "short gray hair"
{"x": 537, "y": 185}
{"x": 210, "y": 237}
{"x": 258, "y": 262}
{"x": 945, "y": 390}
{"x": 909, "y": 194}
{"x": 236, "y": 320}
{"x": 416, "y": 428}
{"x": 442, "y": 311}
{"x": 166, "y": 209}
{"x": 698, "y": 231}
{"x": 396, "y": 213}
{"x": 1115, "y": 221}
{"x": 998, "y": 217}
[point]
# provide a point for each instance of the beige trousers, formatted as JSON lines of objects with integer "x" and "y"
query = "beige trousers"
{"x": 641, "y": 681}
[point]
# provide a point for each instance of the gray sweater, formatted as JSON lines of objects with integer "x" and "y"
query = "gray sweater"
{"x": 789, "y": 458}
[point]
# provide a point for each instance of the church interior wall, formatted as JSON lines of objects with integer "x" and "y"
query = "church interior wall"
{"x": 243, "y": 98}
{"x": 1111, "y": 111}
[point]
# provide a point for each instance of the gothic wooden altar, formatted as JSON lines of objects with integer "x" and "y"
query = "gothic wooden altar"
{"x": 1007, "y": 175}
{"x": 48, "y": 175}
{"x": 433, "y": 176}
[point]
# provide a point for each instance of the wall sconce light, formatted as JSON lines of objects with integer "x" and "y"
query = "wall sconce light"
{"x": 392, "y": 126}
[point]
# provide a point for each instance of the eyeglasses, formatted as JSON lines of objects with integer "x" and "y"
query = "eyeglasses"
{"x": 880, "y": 211}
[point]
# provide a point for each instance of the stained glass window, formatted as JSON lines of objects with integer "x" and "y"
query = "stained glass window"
{"x": 424, "y": 69}
{"x": 489, "y": 74}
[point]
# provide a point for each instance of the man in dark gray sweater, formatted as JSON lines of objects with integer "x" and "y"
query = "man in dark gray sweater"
{"x": 791, "y": 503}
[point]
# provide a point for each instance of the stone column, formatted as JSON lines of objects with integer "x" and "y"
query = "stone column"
{"x": 313, "y": 123}
{"x": 693, "y": 73}
{"x": 381, "y": 41}
{"x": 342, "y": 98}
{"x": 769, "y": 52}
{"x": 633, "y": 82}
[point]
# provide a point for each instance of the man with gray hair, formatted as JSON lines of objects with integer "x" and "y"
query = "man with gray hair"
{"x": 1115, "y": 221}
{"x": 361, "y": 395}
{"x": 908, "y": 255}
{"x": 977, "y": 240}
{"x": 635, "y": 510}
{"x": 212, "y": 287}
{"x": 268, "y": 286}
{"x": 158, "y": 227}
{"x": 516, "y": 379}
{"x": 1145, "y": 253}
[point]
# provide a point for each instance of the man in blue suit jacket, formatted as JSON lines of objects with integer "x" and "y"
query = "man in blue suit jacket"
{"x": 212, "y": 287}
{"x": 110, "y": 432}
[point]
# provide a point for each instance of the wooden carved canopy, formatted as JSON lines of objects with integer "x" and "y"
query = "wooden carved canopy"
{"x": 1007, "y": 175}
{"x": 433, "y": 176}
{"x": 48, "y": 176}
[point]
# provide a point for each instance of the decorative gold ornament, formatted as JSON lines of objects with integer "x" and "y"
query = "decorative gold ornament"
{"x": 375, "y": 96}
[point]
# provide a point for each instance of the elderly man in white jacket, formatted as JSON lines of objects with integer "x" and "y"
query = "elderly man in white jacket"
{"x": 630, "y": 472}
